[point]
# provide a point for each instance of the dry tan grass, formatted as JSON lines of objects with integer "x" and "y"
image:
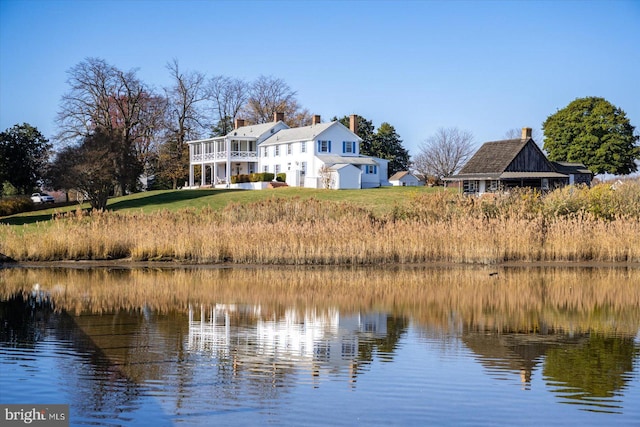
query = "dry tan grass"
{"x": 598, "y": 224}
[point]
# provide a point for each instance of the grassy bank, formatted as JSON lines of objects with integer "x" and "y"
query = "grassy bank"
{"x": 334, "y": 227}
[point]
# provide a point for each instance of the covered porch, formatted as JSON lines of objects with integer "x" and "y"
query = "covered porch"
{"x": 217, "y": 159}
{"x": 493, "y": 183}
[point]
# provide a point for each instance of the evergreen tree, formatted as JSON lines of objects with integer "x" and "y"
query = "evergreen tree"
{"x": 388, "y": 145}
{"x": 24, "y": 154}
{"x": 384, "y": 143}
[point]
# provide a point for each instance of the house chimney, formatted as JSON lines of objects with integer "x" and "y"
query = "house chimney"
{"x": 238, "y": 123}
{"x": 315, "y": 120}
{"x": 353, "y": 123}
{"x": 278, "y": 117}
{"x": 526, "y": 133}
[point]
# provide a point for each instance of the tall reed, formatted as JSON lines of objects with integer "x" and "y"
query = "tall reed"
{"x": 572, "y": 224}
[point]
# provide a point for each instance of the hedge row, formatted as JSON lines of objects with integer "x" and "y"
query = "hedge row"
{"x": 253, "y": 177}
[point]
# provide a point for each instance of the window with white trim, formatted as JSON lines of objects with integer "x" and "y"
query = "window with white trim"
{"x": 289, "y": 148}
{"x": 277, "y": 150}
{"x": 470, "y": 186}
{"x": 324, "y": 146}
{"x": 303, "y": 147}
{"x": 265, "y": 168}
{"x": 348, "y": 147}
{"x": 371, "y": 169}
{"x": 277, "y": 169}
{"x": 304, "y": 167}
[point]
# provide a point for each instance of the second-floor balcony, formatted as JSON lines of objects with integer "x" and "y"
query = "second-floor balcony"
{"x": 251, "y": 156}
{"x": 219, "y": 150}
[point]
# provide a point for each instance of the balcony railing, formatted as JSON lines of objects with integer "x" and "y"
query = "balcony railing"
{"x": 222, "y": 155}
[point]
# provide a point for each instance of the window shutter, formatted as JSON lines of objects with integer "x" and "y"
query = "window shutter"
{"x": 375, "y": 169}
{"x": 344, "y": 146}
{"x": 319, "y": 146}
{"x": 329, "y": 146}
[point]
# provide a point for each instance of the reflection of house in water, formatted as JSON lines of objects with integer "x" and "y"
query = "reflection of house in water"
{"x": 312, "y": 339}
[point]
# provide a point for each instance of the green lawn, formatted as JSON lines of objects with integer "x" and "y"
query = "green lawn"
{"x": 379, "y": 200}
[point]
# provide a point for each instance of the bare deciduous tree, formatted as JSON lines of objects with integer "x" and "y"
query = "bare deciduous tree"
{"x": 444, "y": 153}
{"x": 184, "y": 119}
{"x": 267, "y": 96}
{"x": 326, "y": 177}
{"x": 228, "y": 96}
{"x": 104, "y": 98}
{"x": 516, "y": 133}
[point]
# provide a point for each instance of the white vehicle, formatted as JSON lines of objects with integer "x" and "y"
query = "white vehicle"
{"x": 41, "y": 198}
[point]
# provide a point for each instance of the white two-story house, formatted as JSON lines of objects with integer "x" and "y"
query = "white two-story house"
{"x": 322, "y": 155}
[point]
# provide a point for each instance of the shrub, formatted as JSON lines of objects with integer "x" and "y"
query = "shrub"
{"x": 281, "y": 177}
{"x": 8, "y": 189}
{"x": 260, "y": 177}
{"x": 15, "y": 204}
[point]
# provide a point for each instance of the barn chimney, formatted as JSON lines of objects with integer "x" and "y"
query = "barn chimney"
{"x": 526, "y": 133}
{"x": 278, "y": 117}
{"x": 353, "y": 123}
{"x": 238, "y": 123}
{"x": 315, "y": 120}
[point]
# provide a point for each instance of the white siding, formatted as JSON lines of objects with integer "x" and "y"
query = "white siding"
{"x": 337, "y": 135}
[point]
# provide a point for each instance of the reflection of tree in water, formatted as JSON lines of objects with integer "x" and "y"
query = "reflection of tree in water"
{"x": 593, "y": 372}
{"x": 95, "y": 384}
{"x": 587, "y": 368}
{"x": 384, "y": 347}
{"x": 24, "y": 321}
{"x": 515, "y": 353}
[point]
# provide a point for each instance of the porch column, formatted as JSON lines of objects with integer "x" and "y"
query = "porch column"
{"x": 215, "y": 172}
{"x": 203, "y": 174}
{"x": 190, "y": 165}
{"x": 213, "y": 183}
{"x": 228, "y": 145}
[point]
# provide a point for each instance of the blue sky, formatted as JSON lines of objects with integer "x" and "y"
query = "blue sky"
{"x": 482, "y": 66}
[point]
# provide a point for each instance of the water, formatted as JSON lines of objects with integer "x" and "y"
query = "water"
{"x": 413, "y": 346}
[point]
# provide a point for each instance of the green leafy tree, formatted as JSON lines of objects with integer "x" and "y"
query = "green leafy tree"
{"x": 594, "y": 132}
{"x": 24, "y": 155}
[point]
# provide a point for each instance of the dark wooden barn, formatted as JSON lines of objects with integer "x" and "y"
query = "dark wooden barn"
{"x": 500, "y": 165}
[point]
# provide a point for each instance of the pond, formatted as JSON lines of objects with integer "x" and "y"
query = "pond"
{"x": 324, "y": 346}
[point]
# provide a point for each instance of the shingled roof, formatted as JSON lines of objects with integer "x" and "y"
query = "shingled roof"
{"x": 493, "y": 157}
